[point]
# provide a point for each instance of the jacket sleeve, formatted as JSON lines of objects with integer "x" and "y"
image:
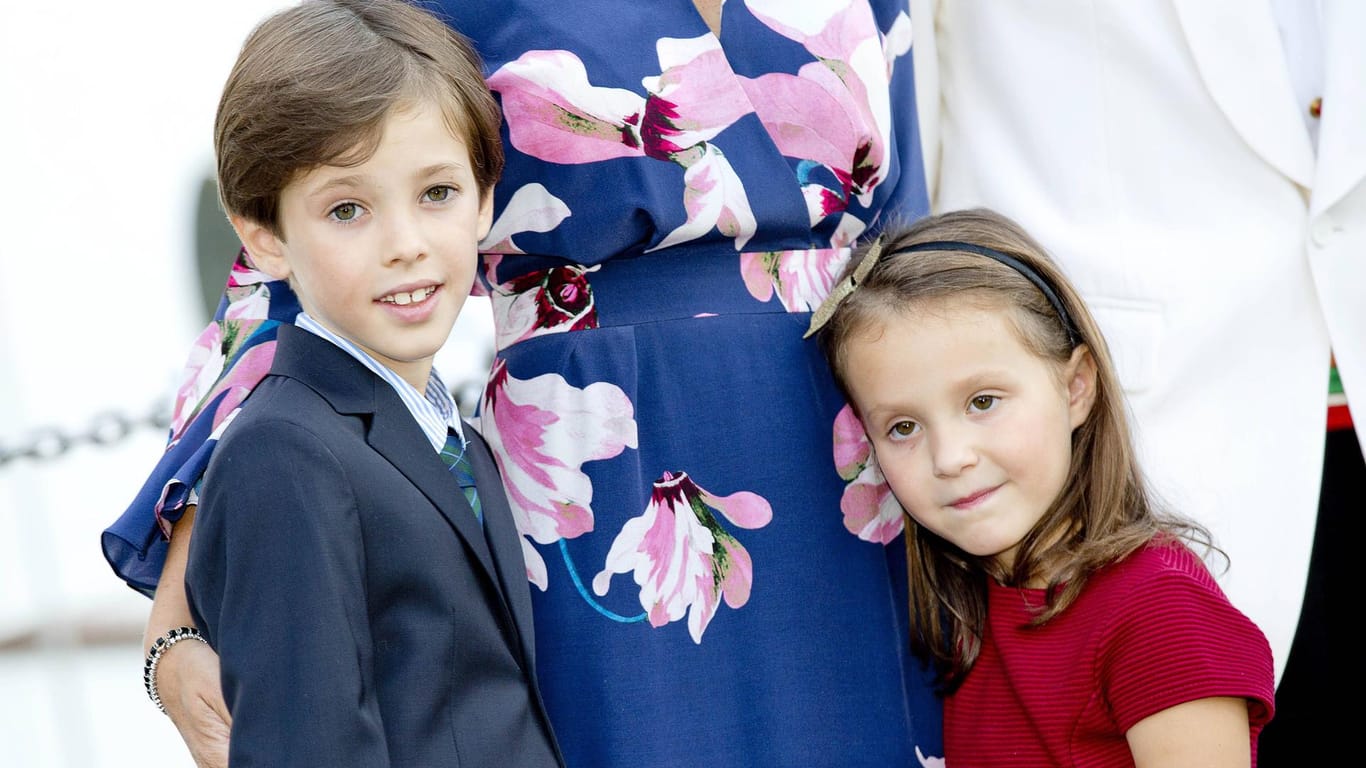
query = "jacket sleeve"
{"x": 276, "y": 580}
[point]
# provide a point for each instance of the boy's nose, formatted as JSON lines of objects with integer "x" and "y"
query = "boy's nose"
{"x": 404, "y": 239}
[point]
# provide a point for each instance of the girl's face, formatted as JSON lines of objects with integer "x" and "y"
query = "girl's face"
{"x": 972, "y": 430}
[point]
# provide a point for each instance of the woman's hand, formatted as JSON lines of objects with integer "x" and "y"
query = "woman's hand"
{"x": 187, "y": 681}
{"x": 187, "y": 674}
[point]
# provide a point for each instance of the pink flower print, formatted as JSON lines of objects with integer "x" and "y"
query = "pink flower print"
{"x": 542, "y": 430}
{"x": 249, "y": 303}
{"x": 714, "y": 197}
{"x": 203, "y": 368}
{"x": 531, "y": 209}
{"x": 802, "y": 279}
{"x": 693, "y": 99}
{"x": 870, "y": 510}
{"x": 827, "y": 113}
{"x": 248, "y": 297}
{"x": 553, "y": 300}
{"x": 246, "y": 373}
{"x": 244, "y": 273}
{"x": 683, "y": 560}
{"x": 554, "y": 113}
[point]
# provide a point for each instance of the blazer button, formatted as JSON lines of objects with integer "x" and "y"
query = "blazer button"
{"x": 1324, "y": 230}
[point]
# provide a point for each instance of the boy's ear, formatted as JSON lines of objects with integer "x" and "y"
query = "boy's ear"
{"x": 1081, "y": 384}
{"x": 485, "y": 213}
{"x": 267, "y": 251}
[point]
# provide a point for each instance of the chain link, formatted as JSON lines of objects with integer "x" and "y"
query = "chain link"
{"x": 49, "y": 443}
{"x": 109, "y": 428}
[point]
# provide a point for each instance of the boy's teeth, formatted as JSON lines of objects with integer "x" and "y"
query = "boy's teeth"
{"x": 408, "y": 298}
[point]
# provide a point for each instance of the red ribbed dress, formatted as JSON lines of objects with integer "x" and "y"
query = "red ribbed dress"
{"x": 1149, "y": 632}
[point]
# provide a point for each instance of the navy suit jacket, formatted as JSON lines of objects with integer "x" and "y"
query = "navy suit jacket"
{"x": 361, "y": 614}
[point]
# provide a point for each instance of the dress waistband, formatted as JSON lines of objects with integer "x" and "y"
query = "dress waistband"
{"x": 661, "y": 287}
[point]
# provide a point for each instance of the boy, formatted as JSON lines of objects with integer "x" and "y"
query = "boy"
{"x": 366, "y": 611}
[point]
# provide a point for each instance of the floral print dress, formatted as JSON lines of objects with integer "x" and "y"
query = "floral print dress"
{"x": 716, "y": 567}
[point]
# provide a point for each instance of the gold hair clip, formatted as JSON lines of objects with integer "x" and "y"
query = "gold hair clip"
{"x": 842, "y": 290}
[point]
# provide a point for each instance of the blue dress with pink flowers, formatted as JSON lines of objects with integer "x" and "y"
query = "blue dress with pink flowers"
{"x": 716, "y": 566}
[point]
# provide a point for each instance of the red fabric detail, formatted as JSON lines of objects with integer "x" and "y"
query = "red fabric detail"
{"x": 1148, "y": 633}
{"x": 1339, "y": 417}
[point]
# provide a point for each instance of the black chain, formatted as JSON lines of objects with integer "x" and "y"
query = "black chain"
{"x": 105, "y": 429}
{"x": 112, "y": 427}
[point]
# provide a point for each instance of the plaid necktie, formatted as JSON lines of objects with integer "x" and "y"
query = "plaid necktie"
{"x": 453, "y": 454}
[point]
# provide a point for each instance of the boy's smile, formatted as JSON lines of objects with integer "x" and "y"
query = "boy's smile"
{"x": 971, "y": 429}
{"x": 383, "y": 252}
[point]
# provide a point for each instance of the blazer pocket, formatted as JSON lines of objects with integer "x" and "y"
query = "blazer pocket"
{"x": 1133, "y": 332}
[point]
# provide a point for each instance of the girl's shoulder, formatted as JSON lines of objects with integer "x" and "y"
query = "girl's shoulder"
{"x": 1160, "y": 587}
{"x": 1172, "y": 635}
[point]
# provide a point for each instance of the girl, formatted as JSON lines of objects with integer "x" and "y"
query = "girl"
{"x": 1066, "y": 618}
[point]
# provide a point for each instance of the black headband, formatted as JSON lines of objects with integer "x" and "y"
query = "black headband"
{"x": 1015, "y": 264}
{"x": 839, "y": 292}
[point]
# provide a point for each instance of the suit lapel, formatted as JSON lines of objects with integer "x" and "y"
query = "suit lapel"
{"x": 393, "y": 433}
{"x": 504, "y": 539}
{"x": 1342, "y": 134}
{"x": 1242, "y": 62}
{"x": 396, "y": 437}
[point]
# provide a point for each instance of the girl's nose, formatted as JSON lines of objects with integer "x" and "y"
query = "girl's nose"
{"x": 952, "y": 451}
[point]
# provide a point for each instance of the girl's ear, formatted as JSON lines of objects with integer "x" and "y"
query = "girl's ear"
{"x": 1081, "y": 385}
{"x": 266, "y": 249}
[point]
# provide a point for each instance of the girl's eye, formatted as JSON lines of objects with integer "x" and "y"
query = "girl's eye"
{"x": 438, "y": 194}
{"x": 345, "y": 212}
{"x": 903, "y": 429}
{"x": 983, "y": 402}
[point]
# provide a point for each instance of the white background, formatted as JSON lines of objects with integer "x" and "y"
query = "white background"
{"x": 105, "y": 138}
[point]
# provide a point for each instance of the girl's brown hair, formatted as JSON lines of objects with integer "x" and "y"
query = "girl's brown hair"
{"x": 1104, "y": 511}
{"x": 314, "y": 83}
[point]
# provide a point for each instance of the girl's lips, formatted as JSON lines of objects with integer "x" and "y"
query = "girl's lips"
{"x": 967, "y": 502}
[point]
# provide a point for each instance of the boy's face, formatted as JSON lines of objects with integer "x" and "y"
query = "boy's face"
{"x": 972, "y": 430}
{"x": 383, "y": 253}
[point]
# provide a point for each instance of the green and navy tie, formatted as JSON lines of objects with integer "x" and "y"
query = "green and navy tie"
{"x": 453, "y": 454}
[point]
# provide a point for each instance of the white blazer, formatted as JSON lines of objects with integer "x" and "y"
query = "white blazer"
{"x": 1157, "y": 149}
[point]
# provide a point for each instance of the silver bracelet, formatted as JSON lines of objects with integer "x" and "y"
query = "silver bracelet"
{"x": 159, "y": 648}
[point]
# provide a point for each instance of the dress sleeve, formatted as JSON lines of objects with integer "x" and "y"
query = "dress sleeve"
{"x": 1176, "y": 639}
{"x": 231, "y": 356}
{"x": 276, "y": 580}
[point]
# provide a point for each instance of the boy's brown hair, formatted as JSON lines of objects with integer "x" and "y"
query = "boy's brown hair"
{"x": 314, "y": 83}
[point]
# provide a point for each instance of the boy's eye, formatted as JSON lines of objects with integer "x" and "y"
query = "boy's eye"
{"x": 438, "y": 194}
{"x": 345, "y": 212}
{"x": 983, "y": 402}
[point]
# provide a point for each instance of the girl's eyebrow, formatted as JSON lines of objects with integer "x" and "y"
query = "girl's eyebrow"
{"x": 982, "y": 378}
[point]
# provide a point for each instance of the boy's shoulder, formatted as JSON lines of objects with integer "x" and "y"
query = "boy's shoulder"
{"x": 309, "y": 386}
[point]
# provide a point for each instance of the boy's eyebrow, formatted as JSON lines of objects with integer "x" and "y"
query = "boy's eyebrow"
{"x": 355, "y": 180}
{"x": 438, "y": 168}
{"x": 339, "y": 182}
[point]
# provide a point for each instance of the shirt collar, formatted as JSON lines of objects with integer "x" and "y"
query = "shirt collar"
{"x": 434, "y": 409}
